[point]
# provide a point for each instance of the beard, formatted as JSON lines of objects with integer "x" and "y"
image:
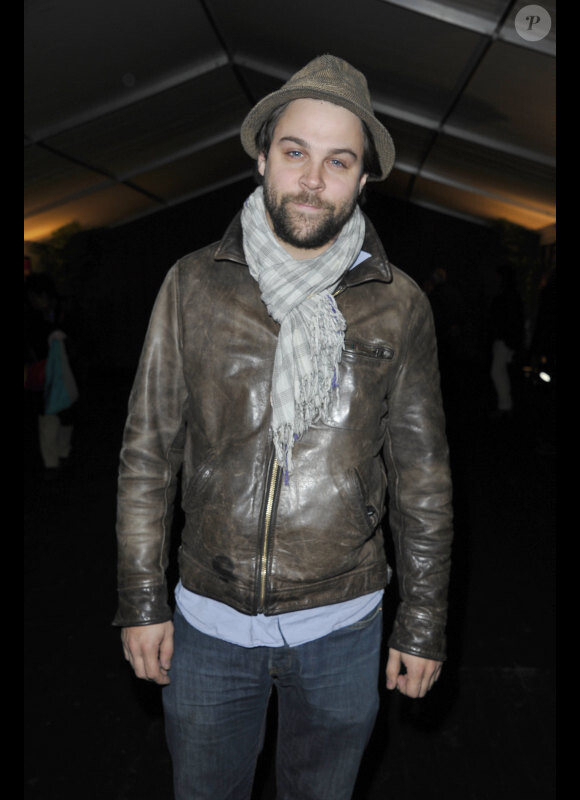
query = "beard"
{"x": 302, "y": 230}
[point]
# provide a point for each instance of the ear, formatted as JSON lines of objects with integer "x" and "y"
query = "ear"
{"x": 261, "y": 164}
{"x": 362, "y": 181}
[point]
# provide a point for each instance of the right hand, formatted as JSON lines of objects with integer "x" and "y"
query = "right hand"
{"x": 149, "y": 649}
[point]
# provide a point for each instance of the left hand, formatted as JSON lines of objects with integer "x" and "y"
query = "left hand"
{"x": 419, "y": 676}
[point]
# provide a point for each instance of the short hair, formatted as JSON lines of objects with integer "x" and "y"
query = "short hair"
{"x": 265, "y": 135}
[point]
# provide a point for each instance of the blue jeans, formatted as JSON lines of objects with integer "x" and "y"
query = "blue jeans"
{"x": 215, "y": 711}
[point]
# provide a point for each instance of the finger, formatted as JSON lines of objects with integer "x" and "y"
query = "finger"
{"x": 435, "y": 676}
{"x": 126, "y": 647}
{"x": 410, "y": 685}
{"x": 166, "y": 652}
{"x": 151, "y": 667}
{"x": 144, "y": 658}
{"x": 147, "y": 668}
{"x": 415, "y": 682}
{"x": 420, "y": 683}
{"x": 393, "y": 669}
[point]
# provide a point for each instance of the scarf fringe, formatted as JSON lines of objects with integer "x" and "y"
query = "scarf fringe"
{"x": 298, "y": 294}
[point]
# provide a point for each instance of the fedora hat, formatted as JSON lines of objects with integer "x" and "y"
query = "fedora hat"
{"x": 325, "y": 78}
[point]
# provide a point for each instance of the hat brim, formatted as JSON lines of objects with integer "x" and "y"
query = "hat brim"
{"x": 261, "y": 111}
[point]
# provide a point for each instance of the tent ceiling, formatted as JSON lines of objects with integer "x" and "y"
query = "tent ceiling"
{"x": 132, "y": 106}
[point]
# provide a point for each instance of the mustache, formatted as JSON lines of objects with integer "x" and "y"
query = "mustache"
{"x": 308, "y": 199}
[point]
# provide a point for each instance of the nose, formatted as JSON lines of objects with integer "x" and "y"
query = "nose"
{"x": 312, "y": 178}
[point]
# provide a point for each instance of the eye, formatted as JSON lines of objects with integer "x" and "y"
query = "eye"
{"x": 335, "y": 162}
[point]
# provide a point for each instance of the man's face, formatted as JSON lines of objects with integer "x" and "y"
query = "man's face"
{"x": 312, "y": 175}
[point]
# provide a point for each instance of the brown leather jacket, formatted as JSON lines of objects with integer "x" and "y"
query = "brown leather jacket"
{"x": 201, "y": 404}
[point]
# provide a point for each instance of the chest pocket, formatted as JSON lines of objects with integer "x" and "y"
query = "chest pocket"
{"x": 361, "y": 402}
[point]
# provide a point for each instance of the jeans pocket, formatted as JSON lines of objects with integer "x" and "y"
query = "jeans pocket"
{"x": 367, "y": 620}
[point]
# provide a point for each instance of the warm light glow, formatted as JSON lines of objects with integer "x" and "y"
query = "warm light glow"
{"x": 40, "y": 230}
{"x": 114, "y": 204}
{"x": 108, "y": 204}
{"x": 517, "y": 210}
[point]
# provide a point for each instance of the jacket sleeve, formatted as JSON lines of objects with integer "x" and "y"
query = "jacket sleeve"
{"x": 151, "y": 457}
{"x": 420, "y": 510}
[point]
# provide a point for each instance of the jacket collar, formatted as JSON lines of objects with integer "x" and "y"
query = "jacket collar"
{"x": 375, "y": 268}
{"x": 231, "y": 246}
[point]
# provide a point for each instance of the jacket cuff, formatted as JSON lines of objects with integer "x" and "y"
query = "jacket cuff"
{"x": 419, "y": 636}
{"x": 145, "y": 605}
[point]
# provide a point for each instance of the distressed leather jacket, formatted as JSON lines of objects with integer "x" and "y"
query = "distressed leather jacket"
{"x": 200, "y": 406}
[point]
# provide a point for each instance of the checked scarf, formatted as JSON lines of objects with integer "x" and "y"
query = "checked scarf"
{"x": 298, "y": 295}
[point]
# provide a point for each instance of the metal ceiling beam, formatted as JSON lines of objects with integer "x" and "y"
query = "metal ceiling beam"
{"x": 465, "y": 79}
{"x": 489, "y": 31}
{"x": 221, "y": 39}
{"x": 200, "y": 144}
{"x": 428, "y": 123}
{"x": 470, "y": 20}
{"x": 452, "y": 15}
{"x": 136, "y": 96}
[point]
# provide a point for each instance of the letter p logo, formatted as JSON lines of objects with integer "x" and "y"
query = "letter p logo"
{"x": 533, "y": 23}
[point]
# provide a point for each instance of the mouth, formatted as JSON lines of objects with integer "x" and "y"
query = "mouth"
{"x": 308, "y": 203}
{"x": 307, "y": 208}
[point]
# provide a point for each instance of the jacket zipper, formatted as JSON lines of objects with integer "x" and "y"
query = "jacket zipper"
{"x": 270, "y": 505}
{"x": 274, "y": 474}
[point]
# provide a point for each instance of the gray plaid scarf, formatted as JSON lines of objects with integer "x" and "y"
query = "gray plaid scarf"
{"x": 298, "y": 295}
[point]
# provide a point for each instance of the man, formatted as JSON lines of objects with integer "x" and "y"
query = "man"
{"x": 287, "y": 371}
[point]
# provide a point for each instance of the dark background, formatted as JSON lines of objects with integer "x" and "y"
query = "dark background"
{"x": 487, "y": 729}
